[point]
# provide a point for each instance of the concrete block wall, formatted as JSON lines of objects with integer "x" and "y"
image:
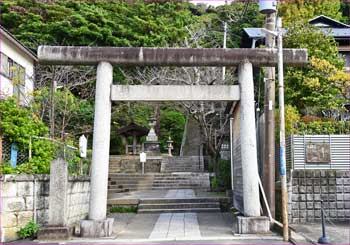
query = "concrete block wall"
{"x": 308, "y": 187}
{"x": 26, "y": 197}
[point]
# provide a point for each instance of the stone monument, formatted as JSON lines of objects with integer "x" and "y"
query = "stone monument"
{"x": 151, "y": 146}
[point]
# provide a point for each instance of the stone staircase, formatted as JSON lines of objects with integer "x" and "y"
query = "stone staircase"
{"x": 174, "y": 205}
{"x": 121, "y": 182}
{"x": 182, "y": 164}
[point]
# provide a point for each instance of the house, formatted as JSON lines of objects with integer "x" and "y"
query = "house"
{"x": 17, "y": 68}
{"x": 254, "y": 37}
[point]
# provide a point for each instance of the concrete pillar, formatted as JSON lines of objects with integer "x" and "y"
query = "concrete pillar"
{"x": 248, "y": 141}
{"x": 100, "y": 145}
{"x": 57, "y": 228}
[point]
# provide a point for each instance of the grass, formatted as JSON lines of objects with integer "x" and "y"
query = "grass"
{"x": 131, "y": 209}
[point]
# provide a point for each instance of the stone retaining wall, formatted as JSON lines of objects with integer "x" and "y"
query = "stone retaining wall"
{"x": 131, "y": 164}
{"x": 308, "y": 187}
{"x": 25, "y": 198}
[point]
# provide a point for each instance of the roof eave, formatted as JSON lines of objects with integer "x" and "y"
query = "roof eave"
{"x": 18, "y": 44}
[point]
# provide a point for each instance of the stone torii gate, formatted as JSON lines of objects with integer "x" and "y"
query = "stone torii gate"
{"x": 106, "y": 57}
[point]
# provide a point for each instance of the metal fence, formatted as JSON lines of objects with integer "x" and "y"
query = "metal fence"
{"x": 76, "y": 165}
{"x": 318, "y": 152}
{"x": 22, "y": 154}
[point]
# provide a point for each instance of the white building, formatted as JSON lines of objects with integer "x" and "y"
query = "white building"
{"x": 17, "y": 68}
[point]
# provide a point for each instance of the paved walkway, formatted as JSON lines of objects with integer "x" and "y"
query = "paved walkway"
{"x": 180, "y": 193}
{"x": 176, "y": 226}
{"x": 337, "y": 233}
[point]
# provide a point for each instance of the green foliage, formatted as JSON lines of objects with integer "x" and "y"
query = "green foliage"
{"x": 18, "y": 124}
{"x": 308, "y": 87}
{"x": 131, "y": 209}
{"x": 291, "y": 118}
{"x": 304, "y": 10}
{"x": 214, "y": 183}
{"x": 29, "y": 230}
{"x": 172, "y": 123}
{"x": 96, "y": 23}
{"x": 324, "y": 127}
{"x": 223, "y": 178}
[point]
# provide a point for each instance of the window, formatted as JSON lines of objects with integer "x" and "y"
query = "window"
{"x": 4, "y": 65}
{"x": 16, "y": 73}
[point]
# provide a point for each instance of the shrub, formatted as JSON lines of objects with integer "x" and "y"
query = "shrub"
{"x": 132, "y": 209}
{"x": 29, "y": 230}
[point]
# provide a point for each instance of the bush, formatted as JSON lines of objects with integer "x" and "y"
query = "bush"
{"x": 29, "y": 230}
{"x": 132, "y": 209}
{"x": 223, "y": 179}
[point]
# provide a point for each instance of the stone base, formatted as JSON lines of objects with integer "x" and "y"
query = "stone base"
{"x": 152, "y": 148}
{"x": 253, "y": 225}
{"x": 53, "y": 233}
{"x": 96, "y": 228}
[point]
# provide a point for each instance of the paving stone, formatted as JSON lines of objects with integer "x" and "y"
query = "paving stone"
{"x": 347, "y": 205}
{"x": 340, "y": 205}
{"x": 332, "y": 205}
{"x": 295, "y": 206}
{"x": 346, "y": 197}
{"x": 317, "y": 181}
{"x": 309, "y": 205}
{"x": 331, "y": 197}
{"x": 340, "y": 197}
{"x": 317, "y": 205}
{"x": 317, "y": 213}
{"x": 346, "y": 181}
{"x": 317, "y": 189}
{"x": 331, "y": 181}
{"x": 317, "y": 197}
{"x": 339, "y": 181}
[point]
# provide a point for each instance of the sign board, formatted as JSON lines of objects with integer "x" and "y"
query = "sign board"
{"x": 317, "y": 152}
{"x": 143, "y": 157}
{"x": 82, "y": 146}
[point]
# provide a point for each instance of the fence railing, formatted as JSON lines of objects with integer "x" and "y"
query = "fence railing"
{"x": 20, "y": 155}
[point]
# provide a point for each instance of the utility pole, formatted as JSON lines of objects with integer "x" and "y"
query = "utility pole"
{"x": 224, "y": 45}
{"x": 52, "y": 109}
{"x": 282, "y": 134}
{"x": 269, "y": 113}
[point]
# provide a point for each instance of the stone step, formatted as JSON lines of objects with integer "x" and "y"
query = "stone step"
{"x": 180, "y": 200}
{"x": 185, "y": 210}
{"x": 139, "y": 188}
{"x": 179, "y": 205}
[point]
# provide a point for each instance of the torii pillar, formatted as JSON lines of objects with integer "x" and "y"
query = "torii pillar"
{"x": 97, "y": 225}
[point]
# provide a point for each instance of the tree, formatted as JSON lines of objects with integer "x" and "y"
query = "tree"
{"x": 308, "y": 88}
{"x": 304, "y": 10}
{"x": 96, "y": 23}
